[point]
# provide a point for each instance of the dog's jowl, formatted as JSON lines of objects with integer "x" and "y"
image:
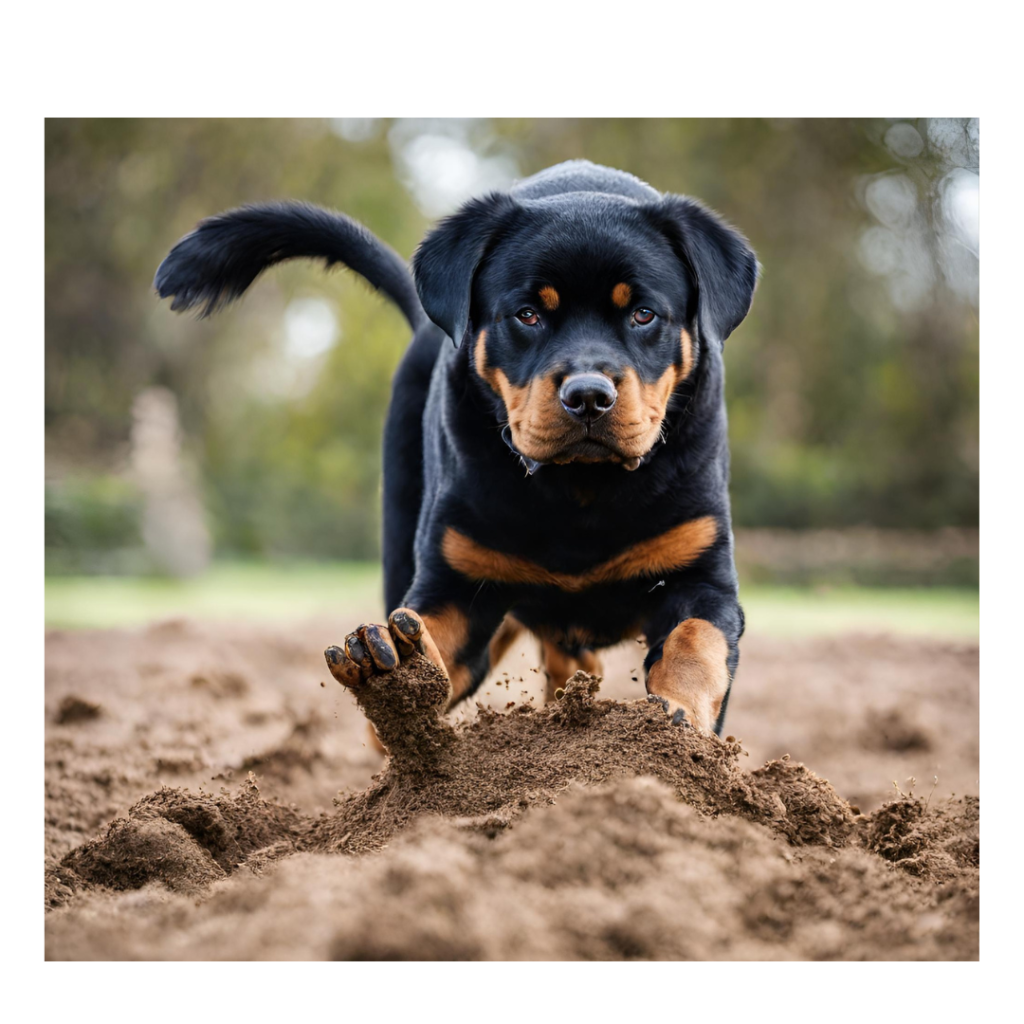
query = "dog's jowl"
{"x": 555, "y": 452}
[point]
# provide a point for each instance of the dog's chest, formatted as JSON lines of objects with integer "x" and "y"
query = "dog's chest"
{"x": 569, "y": 564}
{"x": 598, "y": 618}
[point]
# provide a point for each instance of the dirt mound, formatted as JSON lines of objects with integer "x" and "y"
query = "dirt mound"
{"x": 940, "y": 844}
{"x": 500, "y": 764}
{"x": 74, "y": 709}
{"x": 181, "y": 839}
{"x": 625, "y": 871}
{"x": 618, "y": 871}
{"x": 527, "y": 834}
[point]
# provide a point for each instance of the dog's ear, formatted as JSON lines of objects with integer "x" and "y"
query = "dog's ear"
{"x": 720, "y": 259}
{"x": 447, "y": 260}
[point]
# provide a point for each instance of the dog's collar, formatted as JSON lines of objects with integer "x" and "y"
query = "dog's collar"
{"x": 531, "y": 465}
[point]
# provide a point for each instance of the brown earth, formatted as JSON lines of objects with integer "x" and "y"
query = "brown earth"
{"x": 193, "y": 806}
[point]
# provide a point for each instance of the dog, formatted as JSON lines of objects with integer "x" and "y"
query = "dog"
{"x": 561, "y": 464}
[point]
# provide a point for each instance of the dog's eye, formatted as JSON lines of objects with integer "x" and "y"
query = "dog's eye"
{"x": 643, "y": 316}
{"x": 528, "y": 317}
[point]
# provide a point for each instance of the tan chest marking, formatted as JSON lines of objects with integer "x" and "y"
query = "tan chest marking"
{"x": 675, "y": 549}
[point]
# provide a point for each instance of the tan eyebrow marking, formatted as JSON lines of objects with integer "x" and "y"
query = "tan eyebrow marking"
{"x": 621, "y": 294}
{"x": 549, "y": 298}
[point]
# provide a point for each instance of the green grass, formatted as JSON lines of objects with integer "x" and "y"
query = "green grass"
{"x": 921, "y": 611}
{"x": 237, "y": 591}
{"x": 261, "y": 592}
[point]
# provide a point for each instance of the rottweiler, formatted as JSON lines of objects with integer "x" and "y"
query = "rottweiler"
{"x": 561, "y": 464}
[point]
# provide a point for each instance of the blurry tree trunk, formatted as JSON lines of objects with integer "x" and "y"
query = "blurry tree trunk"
{"x": 173, "y": 519}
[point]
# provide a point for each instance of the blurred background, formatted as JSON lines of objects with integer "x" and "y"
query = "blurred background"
{"x": 231, "y": 467}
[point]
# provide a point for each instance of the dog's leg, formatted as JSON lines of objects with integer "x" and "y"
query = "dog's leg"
{"x": 694, "y": 651}
{"x": 561, "y": 667}
{"x": 508, "y": 633}
{"x": 456, "y": 644}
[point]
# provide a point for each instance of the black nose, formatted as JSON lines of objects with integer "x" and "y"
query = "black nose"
{"x": 587, "y": 395}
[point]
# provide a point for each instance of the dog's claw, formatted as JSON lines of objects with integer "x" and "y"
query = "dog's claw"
{"x": 378, "y": 642}
{"x": 677, "y": 717}
{"x": 357, "y": 652}
{"x": 409, "y": 625}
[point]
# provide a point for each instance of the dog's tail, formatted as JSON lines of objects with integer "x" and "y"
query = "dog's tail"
{"x": 223, "y": 256}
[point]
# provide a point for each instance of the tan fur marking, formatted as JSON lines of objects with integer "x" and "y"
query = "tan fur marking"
{"x": 549, "y": 298}
{"x": 692, "y": 673}
{"x": 535, "y": 413}
{"x": 561, "y": 667}
{"x": 686, "y": 343}
{"x": 678, "y": 547}
{"x": 444, "y": 637}
{"x": 542, "y": 431}
{"x": 621, "y": 294}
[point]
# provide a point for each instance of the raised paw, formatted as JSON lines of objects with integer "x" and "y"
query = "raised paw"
{"x": 405, "y": 708}
{"x": 374, "y": 649}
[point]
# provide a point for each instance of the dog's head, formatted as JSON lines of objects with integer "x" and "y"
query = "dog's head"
{"x": 585, "y": 312}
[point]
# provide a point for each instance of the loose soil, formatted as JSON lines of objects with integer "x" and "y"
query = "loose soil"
{"x": 194, "y": 810}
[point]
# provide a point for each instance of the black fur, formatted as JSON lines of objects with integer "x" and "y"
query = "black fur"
{"x": 224, "y": 255}
{"x": 449, "y": 458}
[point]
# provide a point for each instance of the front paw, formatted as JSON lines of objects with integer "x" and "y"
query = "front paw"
{"x": 375, "y": 650}
{"x": 368, "y": 651}
{"x": 676, "y": 712}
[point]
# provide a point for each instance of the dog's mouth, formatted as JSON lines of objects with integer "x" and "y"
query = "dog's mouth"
{"x": 585, "y": 449}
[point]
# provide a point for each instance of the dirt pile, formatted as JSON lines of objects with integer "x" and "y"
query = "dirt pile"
{"x": 500, "y": 764}
{"x": 587, "y": 829}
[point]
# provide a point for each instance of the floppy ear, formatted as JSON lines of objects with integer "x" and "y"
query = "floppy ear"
{"x": 719, "y": 258}
{"x": 447, "y": 260}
